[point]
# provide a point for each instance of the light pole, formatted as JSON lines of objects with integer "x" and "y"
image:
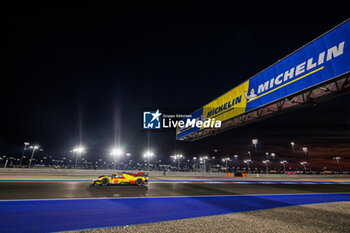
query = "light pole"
{"x": 267, "y": 165}
{"x": 7, "y": 159}
{"x": 284, "y": 165}
{"x": 148, "y": 155}
{"x": 116, "y": 152}
{"x": 24, "y": 149}
{"x": 226, "y": 160}
{"x": 177, "y": 157}
{"x": 31, "y": 158}
{"x": 211, "y": 163}
{"x": 195, "y": 163}
{"x": 247, "y": 161}
{"x": 304, "y": 164}
{"x": 178, "y": 162}
{"x": 236, "y": 161}
{"x": 273, "y": 155}
{"x": 205, "y": 162}
{"x": 306, "y": 155}
{"x": 78, "y": 151}
{"x": 293, "y": 146}
{"x": 337, "y": 158}
{"x": 255, "y": 142}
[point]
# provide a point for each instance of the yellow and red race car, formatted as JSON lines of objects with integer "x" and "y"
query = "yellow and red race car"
{"x": 122, "y": 178}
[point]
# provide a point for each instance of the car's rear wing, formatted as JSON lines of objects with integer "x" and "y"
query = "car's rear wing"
{"x": 144, "y": 174}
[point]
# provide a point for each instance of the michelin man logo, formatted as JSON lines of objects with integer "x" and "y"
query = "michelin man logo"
{"x": 151, "y": 119}
{"x": 252, "y": 94}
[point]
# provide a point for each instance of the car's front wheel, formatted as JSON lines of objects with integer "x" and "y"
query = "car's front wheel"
{"x": 104, "y": 182}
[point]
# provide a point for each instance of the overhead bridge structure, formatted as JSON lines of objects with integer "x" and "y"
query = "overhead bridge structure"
{"x": 318, "y": 71}
{"x": 312, "y": 96}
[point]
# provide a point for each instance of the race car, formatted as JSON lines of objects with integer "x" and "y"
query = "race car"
{"x": 122, "y": 178}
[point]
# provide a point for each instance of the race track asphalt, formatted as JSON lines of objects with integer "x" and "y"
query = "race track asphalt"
{"x": 52, "y": 190}
{"x": 52, "y": 206}
{"x": 73, "y": 214}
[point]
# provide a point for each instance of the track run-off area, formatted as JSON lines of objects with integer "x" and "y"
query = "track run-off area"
{"x": 63, "y": 205}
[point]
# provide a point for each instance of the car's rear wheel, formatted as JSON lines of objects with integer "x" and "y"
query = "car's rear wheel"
{"x": 138, "y": 181}
{"x": 104, "y": 182}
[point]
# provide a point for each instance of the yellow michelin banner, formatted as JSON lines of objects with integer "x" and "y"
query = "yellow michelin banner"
{"x": 228, "y": 105}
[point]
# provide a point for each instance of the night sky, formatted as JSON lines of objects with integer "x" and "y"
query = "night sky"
{"x": 71, "y": 76}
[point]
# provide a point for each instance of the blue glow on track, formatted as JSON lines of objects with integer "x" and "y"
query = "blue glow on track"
{"x": 73, "y": 214}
